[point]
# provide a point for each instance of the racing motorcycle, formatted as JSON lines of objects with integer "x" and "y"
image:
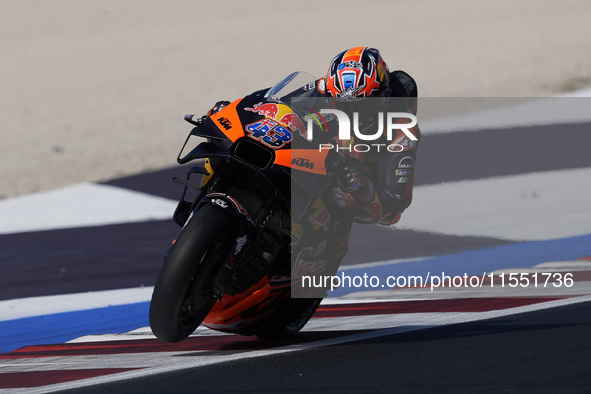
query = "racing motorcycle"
{"x": 252, "y": 225}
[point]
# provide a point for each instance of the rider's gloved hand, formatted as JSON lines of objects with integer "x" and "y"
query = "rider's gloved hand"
{"x": 348, "y": 177}
{"x": 352, "y": 180}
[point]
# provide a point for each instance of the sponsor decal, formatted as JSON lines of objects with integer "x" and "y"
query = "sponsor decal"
{"x": 320, "y": 218}
{"x": 322, "y": 86}
{"x": 240, "y": 242}
{"x": 276, "y": 129}
{"x": 280, "y": 113}
{"x": 231, "y": 263}
{"x": 226, "y": 124}
{"x": 340, "y": 197}
{"x": 405, "y": 142}
{"x": 222, "y": 202}
{"x": 269, "y": 110}
{"x": 219, "y": 202}
{"x": 308, "y": 261}
{"x": 351, "y": 64}
{"x": 302, "y": 162}
{"x": 269, "y": 132}
{"x": 406, "y": 162}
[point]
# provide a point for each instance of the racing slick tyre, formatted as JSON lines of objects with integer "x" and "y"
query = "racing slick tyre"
{"x": 288, "y": 320}
{"x": 184, "y": 294}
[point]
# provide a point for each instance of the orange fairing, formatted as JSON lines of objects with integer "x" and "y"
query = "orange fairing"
{"x": 309, "y": 160}
{"x": 228, "y": 121}
{"x": 230, "y": 307}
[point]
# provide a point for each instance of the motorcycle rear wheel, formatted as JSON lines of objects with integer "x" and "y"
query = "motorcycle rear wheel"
{"x": 184, "y": 294}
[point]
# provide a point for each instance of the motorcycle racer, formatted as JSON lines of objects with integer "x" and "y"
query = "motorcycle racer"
{"x": 375, "y": 186}
{"x": 372, "y": 185}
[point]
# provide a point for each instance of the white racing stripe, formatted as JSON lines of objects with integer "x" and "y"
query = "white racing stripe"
{"x": 536, "y": 206}
{"x": 513, "y": 112}
{"x": 85, "y": 204}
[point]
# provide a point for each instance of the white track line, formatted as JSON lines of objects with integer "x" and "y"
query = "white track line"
{"x": 85, "y": 204}
{"x": 527, "y": 207}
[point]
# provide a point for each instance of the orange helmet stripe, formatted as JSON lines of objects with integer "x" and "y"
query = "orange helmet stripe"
{"x": 353, "y": 54}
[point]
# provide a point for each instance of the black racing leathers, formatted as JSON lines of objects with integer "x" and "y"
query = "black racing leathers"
{"x": 375, "y": 186}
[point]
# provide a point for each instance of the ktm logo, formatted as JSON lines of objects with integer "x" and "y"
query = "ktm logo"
{"x": 225, "y": 123}
{"x": 301, "y": 162}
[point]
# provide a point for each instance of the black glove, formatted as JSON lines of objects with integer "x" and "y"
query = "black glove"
{"x": 346, "y": 173}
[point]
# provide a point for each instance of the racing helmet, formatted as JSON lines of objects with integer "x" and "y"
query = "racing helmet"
{"x": 358, "y": 72}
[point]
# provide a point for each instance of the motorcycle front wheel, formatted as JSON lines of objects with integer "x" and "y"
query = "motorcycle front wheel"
{"x": 184, "y": 294}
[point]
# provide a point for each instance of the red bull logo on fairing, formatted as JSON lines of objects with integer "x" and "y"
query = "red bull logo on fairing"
{"x": 280, "y": 113}
{"x": 268, "y": 109}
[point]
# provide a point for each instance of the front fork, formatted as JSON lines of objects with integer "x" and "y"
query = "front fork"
{"x": 246, "y": 233}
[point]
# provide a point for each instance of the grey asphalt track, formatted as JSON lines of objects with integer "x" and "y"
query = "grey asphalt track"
{"x": 546, "y": 351}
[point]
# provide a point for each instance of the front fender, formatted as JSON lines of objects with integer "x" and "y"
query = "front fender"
{"x": 231, "y": 206}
